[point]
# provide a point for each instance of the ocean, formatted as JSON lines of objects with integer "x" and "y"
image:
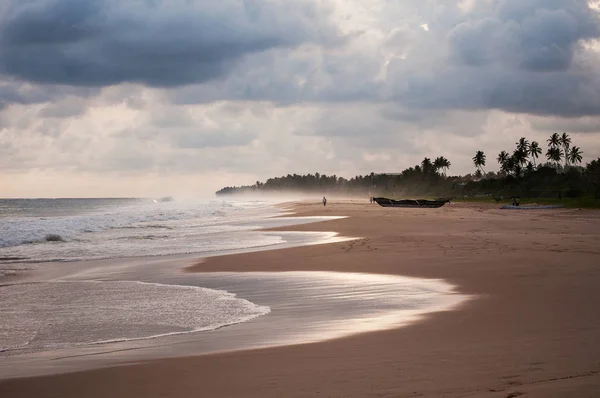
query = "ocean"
{"x": 50, "y": 313}
{"x": 41, "y": 230}
{"x": 82, "y": 279}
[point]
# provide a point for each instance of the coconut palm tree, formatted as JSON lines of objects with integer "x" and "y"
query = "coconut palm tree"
{"x": 502, "y": 157}
{"x": 508, "y": 164}
{"x": 446, "y": 165}
{"x": 517, "y": 169}
{"x": 523, "y": 146}
{"x": 554, "y": 140}
{"x": 441, "y": 163}
{"x": 554, "y": 154}
{"x": 479, "y": 160}
{"x": 565, "y": 141}
{"x": 519, "y": 157}
{"x": 427, "y": 166}
{"x": 575, "y": 155}
{"x": 534, "y": 151}
{"x": 437, "y": 164}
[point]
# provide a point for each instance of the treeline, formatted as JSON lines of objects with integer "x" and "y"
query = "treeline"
{"x": 427, "y": 177}
{"x": 520, "y": 173}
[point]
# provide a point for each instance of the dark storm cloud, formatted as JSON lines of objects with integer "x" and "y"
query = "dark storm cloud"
{"x": 534, "y": 35}
{"x": 513, "y": 55}
{"x": 158, "y": 43}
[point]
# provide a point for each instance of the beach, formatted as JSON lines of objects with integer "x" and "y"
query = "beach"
{"x": 530, "y": 326}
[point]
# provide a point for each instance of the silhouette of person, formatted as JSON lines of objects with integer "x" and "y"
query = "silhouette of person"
{"x": 324, "y": 201}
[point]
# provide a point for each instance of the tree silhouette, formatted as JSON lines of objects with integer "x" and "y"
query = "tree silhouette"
{"x": 427, "y": 166}
{"x": 445, "y": 165}
{"x": 519, "y": 157}
{"x": 575, "y": 155}
{"x": 523, "y": 146}
{"x": 479, "y": 161}
{"x": 441, "y": 163}
{"x": 502, "y": 157}
{"x": 565, "y": 141}
{"x": 554, "y": 154}
{"x": 554, "y": 140}
{"x": 534, "y": 151}
{"x": 530, "y": 168}
{"x": 508, "y": 165}
{"x": 517, "y": 169}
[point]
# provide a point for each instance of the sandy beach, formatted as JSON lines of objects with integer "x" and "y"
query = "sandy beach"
{"x": 531, "y": 328}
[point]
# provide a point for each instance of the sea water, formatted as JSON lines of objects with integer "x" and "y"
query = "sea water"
{"x": 104, "y": 276}
{"x": 84, "y": 229}
{"x": 51, "y": 313}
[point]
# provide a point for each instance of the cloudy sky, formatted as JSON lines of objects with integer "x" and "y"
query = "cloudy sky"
{"x": 156, "y": 97}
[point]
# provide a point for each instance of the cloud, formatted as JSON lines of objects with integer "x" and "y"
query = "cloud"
{"x": 158, "y": 43}
{"x": 69, "y": 108}
{"x": 510, "y": 55}
{"x": 577, "y": 125}
{"x": 263, "y": 88}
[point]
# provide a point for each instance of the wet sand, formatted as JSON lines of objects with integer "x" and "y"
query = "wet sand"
{"x": 533, "y": 328}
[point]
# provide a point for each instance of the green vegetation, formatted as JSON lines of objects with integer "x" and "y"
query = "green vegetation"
{"x": 561, "y": 180}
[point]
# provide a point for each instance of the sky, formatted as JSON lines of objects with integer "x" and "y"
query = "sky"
{"x": 182, "y": 97}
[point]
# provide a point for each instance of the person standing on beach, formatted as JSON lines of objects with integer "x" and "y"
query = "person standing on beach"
{"x": 324, "y": 201}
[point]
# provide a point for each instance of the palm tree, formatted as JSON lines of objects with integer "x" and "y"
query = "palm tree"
{"x": 575, "y": 155}
{"x": 441, "y": 163}
{"x": 519, "y": 157}
{"x": 565, "y": 141}
{"x": 534, "y": 151}
{"x": 427, "y": 166}
{"x": 554, "y": 154}
{"x": 502, "y": 157}
{"x": 554, "y": 140}
{"x": 508, "y": 165}
{"x": 523, "y": 146}
{"x": 517, "y": 169}
{"x": 445, "y": 165}
{"x": 437, "y": 164}
{"x": 479, "y": 160}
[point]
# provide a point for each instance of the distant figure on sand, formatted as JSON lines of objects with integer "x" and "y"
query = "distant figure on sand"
{"x": 324, "y": 201}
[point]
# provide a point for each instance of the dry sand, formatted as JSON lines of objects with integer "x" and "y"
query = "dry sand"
{"x": 533, "y": 330}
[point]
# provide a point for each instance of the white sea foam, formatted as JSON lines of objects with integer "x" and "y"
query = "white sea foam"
{"x": 59, "y": 314}
{"x": 95, "y": 229}
{"x": 141, "y": 214}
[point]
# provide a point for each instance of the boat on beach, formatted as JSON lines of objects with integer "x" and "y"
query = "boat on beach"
{"x": 410, "y": 203}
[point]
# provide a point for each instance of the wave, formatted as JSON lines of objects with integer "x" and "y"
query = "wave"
{"x": 27, "y": 230}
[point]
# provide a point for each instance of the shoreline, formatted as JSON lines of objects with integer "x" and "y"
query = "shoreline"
{"x": 531, "y": 330}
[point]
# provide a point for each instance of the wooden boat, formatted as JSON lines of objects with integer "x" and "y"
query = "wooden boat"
{"x": 410, "y": 203}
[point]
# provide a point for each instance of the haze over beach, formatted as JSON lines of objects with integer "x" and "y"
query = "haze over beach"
{"x": 288, "y": 198}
